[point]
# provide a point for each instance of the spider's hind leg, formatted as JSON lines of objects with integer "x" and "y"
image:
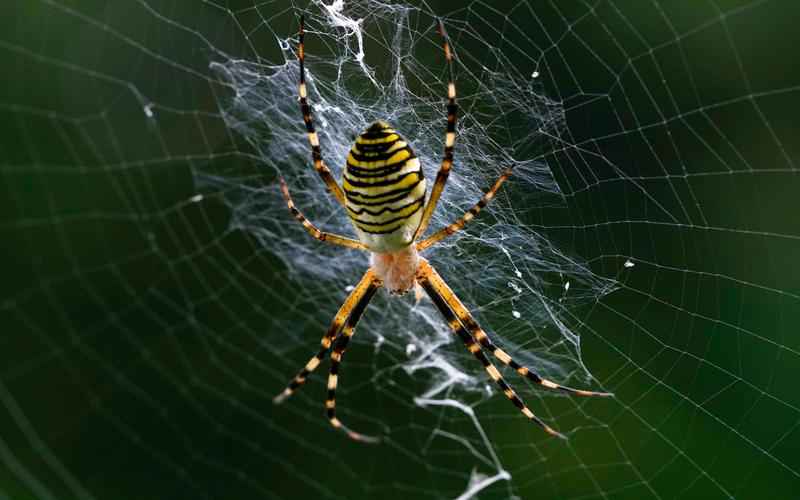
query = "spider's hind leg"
{"x": 305, "y": 108}
{"x": 449, "y": 138}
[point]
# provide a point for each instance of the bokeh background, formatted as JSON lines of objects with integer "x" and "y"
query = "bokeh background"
{"x": 129, "y": 368}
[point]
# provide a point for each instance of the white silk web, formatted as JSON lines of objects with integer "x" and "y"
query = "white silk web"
{"x": 157, "y": 293}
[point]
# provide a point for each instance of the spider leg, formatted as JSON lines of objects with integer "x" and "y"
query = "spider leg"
{"x": 449, "y": 139}
{"x": 351, "y": 303}
{"x": 313, "y": 139}
{"x": 468, "y": 215}
{"x": 340, "y": 345}
{"x": 477, "y": 332}
{"x": 334, "y": 239}
{"x": 439, "y": 293}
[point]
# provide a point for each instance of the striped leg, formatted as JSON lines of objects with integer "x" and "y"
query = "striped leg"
{"x": 468, "y": 216}
{"x": 449, "y": 139}
{"x": 436, "y": 288}
{"x": 336, "y": 358}
{"x": 313, "y": 139}
{"x": 334, "y": 239}
{"x": 477, "y": 332}
{"x": 360, "y": 294}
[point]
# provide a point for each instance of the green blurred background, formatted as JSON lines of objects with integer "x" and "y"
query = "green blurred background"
{"x": 128, "y": 364}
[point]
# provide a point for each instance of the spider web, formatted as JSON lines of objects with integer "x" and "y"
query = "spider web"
{"x": 156, "y": 294}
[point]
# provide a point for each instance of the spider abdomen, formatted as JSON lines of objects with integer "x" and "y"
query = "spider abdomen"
{"x": 384, "y": 189}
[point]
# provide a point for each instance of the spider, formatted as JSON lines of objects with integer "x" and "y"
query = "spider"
{"x": 383, "y": 192}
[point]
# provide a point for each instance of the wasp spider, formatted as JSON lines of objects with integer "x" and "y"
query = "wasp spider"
{"x": 383, "y": 192}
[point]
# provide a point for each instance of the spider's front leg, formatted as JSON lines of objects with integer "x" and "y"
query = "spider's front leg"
{"x": 338, "y": 336}
{"x": 340, "y": 346}
{"x": 360, "y": 295}
{"x": 474, "y": 338}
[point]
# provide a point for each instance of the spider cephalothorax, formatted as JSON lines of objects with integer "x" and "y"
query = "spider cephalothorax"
{"x": 384, "y": 196}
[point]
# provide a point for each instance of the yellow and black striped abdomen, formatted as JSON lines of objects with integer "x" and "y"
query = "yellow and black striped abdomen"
{"x": 384, "y": 189}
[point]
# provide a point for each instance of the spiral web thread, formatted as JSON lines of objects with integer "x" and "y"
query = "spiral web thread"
{"x": 169, "y": 290}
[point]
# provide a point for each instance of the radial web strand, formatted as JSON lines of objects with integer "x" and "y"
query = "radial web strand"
{"x": 156, "y": 293}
